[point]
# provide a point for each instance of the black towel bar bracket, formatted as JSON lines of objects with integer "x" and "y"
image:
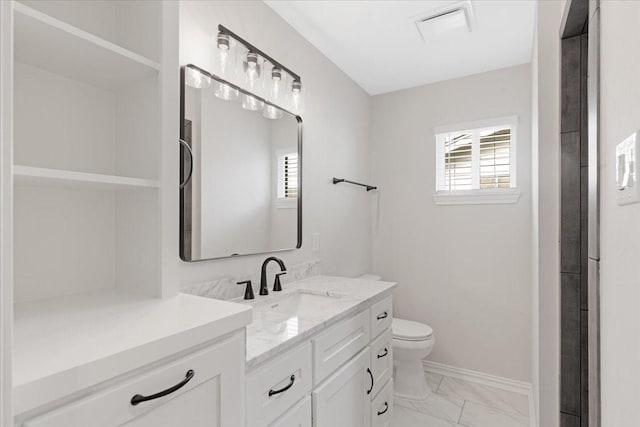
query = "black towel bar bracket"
{"x": 368, "y": 187}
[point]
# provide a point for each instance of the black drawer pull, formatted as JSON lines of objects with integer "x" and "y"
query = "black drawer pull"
{"x": 380, "y": 356}
{"x": 138, "y": 398}
{"x": 282, "y": 390}
{"x": 382, "y": 316}
{"x": 371, "y": 375}
{"x": 384, "y": 411}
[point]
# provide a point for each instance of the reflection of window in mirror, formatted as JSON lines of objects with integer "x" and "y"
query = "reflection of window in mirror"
{"x": 287, "y": 181}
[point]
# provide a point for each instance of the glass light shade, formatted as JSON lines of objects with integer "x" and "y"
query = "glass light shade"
{"x": 226, "y": 92}
{"x": 251, "y": 103}
{"x": 252, "y": 66}
{"x": 271, "y": 112}
{"x": 196, "y": 79}
{"x": 297, "y": 97}
{"x": 277, "y": 86}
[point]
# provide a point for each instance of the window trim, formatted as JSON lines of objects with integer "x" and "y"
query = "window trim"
{"x": 477, "y": 196}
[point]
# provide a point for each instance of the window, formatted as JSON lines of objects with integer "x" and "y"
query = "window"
{"x": 475, "y": 163}
{"x": 287, "y": 178}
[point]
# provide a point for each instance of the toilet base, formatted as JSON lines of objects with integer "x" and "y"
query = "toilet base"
{"x": 409, "y": 381}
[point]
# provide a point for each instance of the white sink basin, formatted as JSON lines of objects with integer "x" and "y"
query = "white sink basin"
{"x": 300, "y": 304}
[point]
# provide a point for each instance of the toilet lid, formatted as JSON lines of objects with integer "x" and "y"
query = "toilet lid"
{"x": 409, "y": 330}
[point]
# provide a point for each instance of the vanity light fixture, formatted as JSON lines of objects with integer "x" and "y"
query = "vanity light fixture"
{"x": 254, "y": 64}
{"x": 297, "y": 97}
{"x": 277, "y": 83}
{"x": 225, "y": 57}
{"x": 252, "y": 69}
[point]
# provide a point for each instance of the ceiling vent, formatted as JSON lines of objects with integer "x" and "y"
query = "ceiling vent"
{"x": 452, "y": 19}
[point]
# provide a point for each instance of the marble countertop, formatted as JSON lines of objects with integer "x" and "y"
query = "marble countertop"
{"x": 66, "y": 344}
{"x": 272, "y": 333}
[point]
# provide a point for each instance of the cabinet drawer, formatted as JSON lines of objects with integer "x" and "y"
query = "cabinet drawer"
{"x": 298, "y": 416}
{"x": 212, "y": 395}
{"x": 382, "y": 407}
{"x": 337, "y": 345}
{"x": 381, "y": 360}
{"x": 276, "y": 386}
{"x": 381, "y": 316}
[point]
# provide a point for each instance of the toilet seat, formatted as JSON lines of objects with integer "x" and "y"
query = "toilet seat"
{"x": 408, "y": 330}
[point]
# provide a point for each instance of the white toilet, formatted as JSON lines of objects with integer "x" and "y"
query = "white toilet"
{"x": 412, "y": 342}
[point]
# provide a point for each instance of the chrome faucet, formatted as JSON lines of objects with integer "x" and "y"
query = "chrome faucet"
{"x": 264, "y": 290}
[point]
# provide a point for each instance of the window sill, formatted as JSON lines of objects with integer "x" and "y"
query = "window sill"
{"x": 477, "y": 197}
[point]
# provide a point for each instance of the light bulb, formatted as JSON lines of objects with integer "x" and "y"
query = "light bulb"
{"x": 271, "y": 112}
{"x": 252, "y": 103}
{"x": 226, "y": 92}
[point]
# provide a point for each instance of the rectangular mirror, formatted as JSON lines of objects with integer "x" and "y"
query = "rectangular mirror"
{"x": 240, "y": 171}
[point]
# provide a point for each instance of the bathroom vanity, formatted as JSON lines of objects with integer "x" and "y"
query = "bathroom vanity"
{"x": 81, "y": 360}
{"x": 319, "y": 353}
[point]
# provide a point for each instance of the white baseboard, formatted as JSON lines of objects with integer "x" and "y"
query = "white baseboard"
{"x": 515, "y": 386}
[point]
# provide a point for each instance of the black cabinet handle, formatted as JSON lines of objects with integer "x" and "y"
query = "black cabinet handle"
{"x": 138, "y": 398}
{"x": 380, "y": 356}
{"x": 384, "y": 411}
{"x": 282, "y": 390}
{"x": 382, "y": 316}
{"x": 371, "y": 375}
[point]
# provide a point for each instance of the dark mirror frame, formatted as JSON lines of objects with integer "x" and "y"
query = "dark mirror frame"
{"x": 185, "y": 173}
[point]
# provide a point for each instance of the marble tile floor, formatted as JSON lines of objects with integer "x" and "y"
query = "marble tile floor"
{"x": 459, "y": 403}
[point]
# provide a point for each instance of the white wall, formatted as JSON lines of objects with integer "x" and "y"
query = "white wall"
{"x": 546, "y": 212}
{"x": 464, "y": 270}
{"x": 336, "y": 138}
{"x": 620, "y": 225}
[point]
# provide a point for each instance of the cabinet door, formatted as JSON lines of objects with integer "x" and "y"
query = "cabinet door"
{"x": 212, "y": 397}
{"x": 343, "y": 399}
{"x": 298, "y": 416}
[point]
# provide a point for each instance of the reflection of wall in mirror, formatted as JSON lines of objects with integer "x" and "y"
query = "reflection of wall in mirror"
{"x": 283, "y": 228}
{"x": 234, "y": 192}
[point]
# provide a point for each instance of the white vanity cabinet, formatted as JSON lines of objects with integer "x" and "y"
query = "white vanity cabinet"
{"x": 338, "y": 377}
{"x": 203, "y": 389}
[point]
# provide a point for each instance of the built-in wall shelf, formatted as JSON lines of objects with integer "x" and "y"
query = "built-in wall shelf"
{"x": 32, "y": 176}
{"x": 53, "y": 45}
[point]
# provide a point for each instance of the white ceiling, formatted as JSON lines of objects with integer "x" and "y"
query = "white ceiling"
{"x": 377, "y": 44}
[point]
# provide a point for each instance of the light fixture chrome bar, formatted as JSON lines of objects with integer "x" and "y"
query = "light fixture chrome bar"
{"x": 224, "y": 30}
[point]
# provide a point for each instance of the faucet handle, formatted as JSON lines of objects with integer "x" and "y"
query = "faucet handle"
{"x": 248, "y": 292}
{"x": 277, "y": 286}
